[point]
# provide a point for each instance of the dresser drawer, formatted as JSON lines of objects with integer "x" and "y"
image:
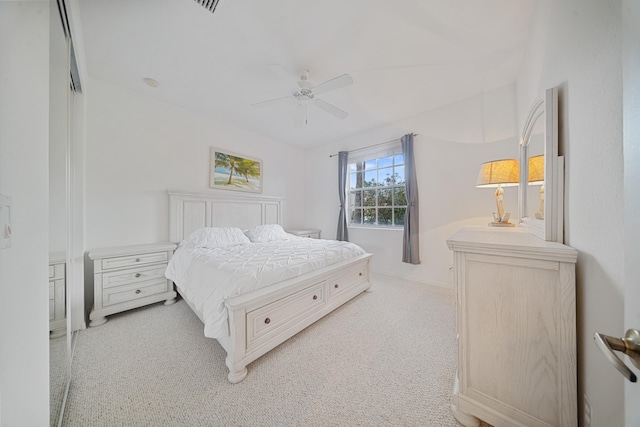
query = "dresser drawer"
{"x": 134, "y": 291}
{"x": 56, "y": 271}
{"x": 265, "y": 321}
{"x": 52, "y": 310}
{"x": 131, "y": 260}
{"x": 132, "y": 275}
{"x": 52, "y": 290}
{"x": 348, "y": 280}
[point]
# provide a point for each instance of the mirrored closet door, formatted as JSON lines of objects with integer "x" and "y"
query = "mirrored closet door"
{"x": 63, "y": 218}
{"x": 58, "y": 141}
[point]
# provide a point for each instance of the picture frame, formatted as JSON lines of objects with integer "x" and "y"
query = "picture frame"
{"x": 233, "y": 171}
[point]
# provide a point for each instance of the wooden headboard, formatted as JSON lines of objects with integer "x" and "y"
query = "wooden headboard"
{"x": 191, "y": 210}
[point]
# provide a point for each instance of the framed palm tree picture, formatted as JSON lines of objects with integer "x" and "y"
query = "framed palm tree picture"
{"x": 230, "y": 171}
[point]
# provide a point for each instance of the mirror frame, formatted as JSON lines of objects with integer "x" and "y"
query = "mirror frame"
{"x": 551, "y": 227}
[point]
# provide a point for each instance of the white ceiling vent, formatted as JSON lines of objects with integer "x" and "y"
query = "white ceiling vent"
{"x": 208, "y": 4}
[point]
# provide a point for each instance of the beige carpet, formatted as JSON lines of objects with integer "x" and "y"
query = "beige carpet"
{"x": 386, "y": 358}
{"x": 57, "y": 376}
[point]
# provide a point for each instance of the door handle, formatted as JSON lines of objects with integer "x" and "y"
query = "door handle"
{"x": 629, "y": 345}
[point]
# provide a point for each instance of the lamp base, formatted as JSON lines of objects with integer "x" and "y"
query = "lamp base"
{"x": 501, "y": 224}
{"x": 501, "y": 221}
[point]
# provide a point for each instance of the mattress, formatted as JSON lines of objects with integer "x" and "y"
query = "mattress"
{"x": 207, "y": 277}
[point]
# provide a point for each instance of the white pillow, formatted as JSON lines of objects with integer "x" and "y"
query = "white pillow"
{"x": 215, "y": 237}
{"x": 266, "y": 233}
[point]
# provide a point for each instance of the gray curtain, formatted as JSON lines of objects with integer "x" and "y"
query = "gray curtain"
{"x": 410, "y": 241}
{"x": 343, "y": 232}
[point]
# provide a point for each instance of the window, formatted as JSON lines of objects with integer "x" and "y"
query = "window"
{"x": 376, "y": 190}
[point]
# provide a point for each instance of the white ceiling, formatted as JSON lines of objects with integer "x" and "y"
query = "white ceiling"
{"x": 406, "y": 57}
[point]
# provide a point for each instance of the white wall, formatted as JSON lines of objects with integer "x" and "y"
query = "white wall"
{"x": 138, "y": 147}
{"x": 453, "y": 142}
{"x": 24, "y": 175}
{"x": 577, "y": 46}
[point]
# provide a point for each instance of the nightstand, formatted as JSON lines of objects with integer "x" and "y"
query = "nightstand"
{"x": 128, "y": 277}
{"x": 57, "y": 291}
{"x": 307, "y": 232}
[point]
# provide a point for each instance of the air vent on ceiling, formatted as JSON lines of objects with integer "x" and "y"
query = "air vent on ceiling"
{"x": 208, "y": 4}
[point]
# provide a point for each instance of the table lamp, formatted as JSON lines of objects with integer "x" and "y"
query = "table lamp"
{"x": 498, "y": 174}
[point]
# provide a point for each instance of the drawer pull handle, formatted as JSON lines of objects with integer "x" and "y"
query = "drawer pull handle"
{"x": 267, "y": 320}
{"x": 360, "y": 274}
{"x": 137, "y": 259}
{"x": 138, "y": 274}
{"x": 335, "y": 286}
{"x": 137, "y": 291}
{"x": 315, "y": 297}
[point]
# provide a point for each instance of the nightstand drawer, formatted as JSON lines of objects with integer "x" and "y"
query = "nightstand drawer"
{"x": 131, "y": 260}
{"x": 314, "y": 235}
{"x": 133, "y": 275}
{"x": 311, "y": 233}
{"x": 132, "y": 292}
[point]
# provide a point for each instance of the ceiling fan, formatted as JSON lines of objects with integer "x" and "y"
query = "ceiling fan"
{"x": 305, "y": 93}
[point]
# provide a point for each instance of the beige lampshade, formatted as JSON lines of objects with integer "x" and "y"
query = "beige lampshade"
{"x": 536, "y": 170}
{"x": 499, "y": 172}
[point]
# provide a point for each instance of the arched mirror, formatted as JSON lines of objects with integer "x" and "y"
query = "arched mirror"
{"x": 540, "y": 194}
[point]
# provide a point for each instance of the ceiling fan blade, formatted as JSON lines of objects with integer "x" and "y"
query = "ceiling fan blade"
{"x": 273, "y": 101}
{"x": 335, "y": 83}
{"x": 331, "y": 109}
{"x": 285, "y": 75}
{"x": 301, "y": 115}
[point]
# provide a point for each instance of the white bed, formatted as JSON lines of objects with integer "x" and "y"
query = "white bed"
{"x": 261, "y": 311}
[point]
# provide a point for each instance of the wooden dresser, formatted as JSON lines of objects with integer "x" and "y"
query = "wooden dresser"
{"x": 128, "y": 277}
{"x": 516, "y": 320}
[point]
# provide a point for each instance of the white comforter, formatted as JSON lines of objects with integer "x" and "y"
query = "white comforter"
{"x": 207, "y": 277}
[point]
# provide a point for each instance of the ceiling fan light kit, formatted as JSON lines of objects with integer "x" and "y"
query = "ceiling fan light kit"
{"x": 151, "y": 82}
{"x": 306, "y": 93}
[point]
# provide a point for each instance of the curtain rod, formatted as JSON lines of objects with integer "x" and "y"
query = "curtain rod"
{"x": 373, "y": 145}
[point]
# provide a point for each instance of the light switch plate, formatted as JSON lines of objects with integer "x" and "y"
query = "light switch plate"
{"x": 5, "y": 221}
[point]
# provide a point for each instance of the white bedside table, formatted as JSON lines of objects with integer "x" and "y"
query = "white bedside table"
{"x": 312, "y": 233}
{"x": 128, "y": 277}
{"x": 57, "y": 291}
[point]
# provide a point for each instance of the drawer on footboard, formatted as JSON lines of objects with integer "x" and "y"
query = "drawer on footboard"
{"x": 266, "y": 321}
{"x": 348, "y": 279}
